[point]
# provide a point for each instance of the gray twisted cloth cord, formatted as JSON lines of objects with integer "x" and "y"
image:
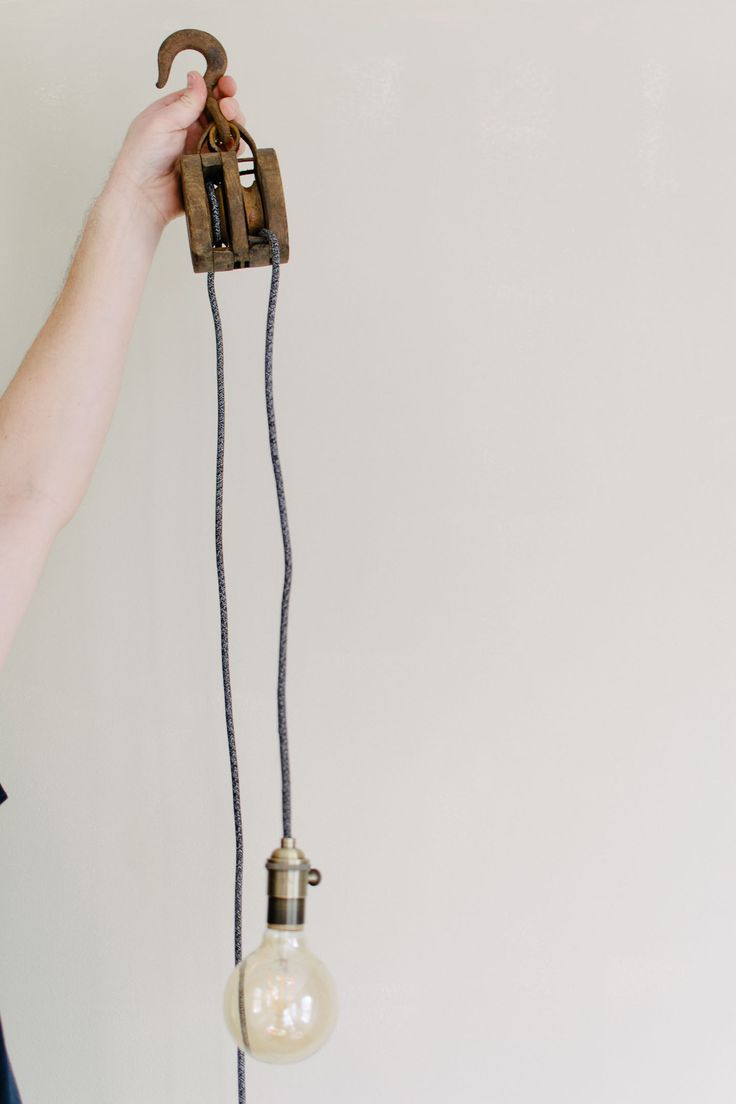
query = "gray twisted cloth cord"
{"x": 222, "y": 591}
{"x": 286, "y": 539}
{"x": 224, "y": 636}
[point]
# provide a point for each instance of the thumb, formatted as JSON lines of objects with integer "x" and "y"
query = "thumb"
{"x": 187, "y": 108}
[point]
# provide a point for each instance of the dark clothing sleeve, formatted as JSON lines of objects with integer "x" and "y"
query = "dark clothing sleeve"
{"x": 8, "y": 1089}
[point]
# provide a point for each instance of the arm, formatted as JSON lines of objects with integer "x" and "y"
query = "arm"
{"x": 57, "y": 409}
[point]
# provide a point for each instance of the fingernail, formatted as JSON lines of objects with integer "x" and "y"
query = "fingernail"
{"x": 190, "y": 80}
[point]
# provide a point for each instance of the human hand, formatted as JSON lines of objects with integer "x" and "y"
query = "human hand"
{"x": 166, "y": 129}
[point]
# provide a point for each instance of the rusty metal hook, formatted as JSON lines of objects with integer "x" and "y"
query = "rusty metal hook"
{"x": 214, "y": 54}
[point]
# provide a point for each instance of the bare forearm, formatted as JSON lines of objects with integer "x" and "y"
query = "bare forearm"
{"x": 25, "y": 541}
{"x": 57, "y": 409}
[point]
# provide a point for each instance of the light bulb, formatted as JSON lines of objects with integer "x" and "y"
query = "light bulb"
{"x": 280, "y": 1001}
{"x": 289, "y": 1004}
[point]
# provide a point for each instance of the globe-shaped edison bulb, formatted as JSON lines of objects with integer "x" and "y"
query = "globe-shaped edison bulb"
{"x": 280, "y": 1001}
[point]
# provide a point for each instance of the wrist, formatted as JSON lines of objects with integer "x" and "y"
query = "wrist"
{"x": 129, "y": 202}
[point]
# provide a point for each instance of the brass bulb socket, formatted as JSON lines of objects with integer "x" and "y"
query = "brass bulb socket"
{"x": 289, "y": 874}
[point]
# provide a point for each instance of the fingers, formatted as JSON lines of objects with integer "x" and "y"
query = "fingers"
{"x": 230, "y": 108}
{"x": 184, "y": 108}
{"x": 226, "y": 86}
{"x": 225, "y": 92}
{"x": 169, "y": 98}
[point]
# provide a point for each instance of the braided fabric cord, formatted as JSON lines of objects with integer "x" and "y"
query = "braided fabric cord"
{"x": 222, "y": 591}
{"x": 285, "y": 537}
{"x": 224, "y": 635}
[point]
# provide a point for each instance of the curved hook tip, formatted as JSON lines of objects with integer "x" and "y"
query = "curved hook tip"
{"x": 190, "y": 39}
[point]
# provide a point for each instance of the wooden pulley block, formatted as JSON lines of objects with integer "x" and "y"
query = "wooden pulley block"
{"x": 245, "y": 206}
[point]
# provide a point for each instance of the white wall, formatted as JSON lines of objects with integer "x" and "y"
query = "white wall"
{"x": 507, "y": 399}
